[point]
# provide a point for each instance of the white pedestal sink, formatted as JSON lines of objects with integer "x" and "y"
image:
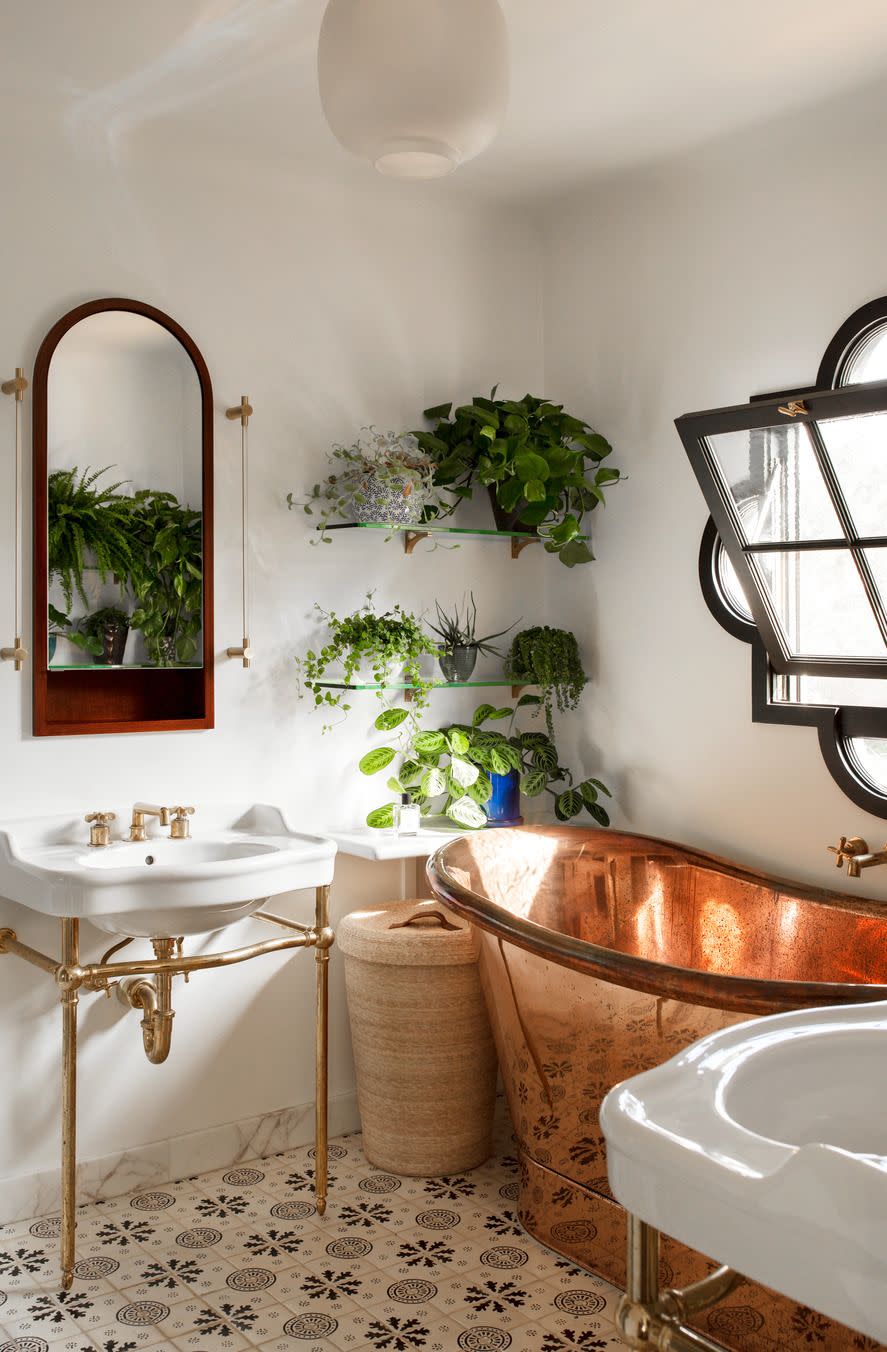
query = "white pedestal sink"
{"x": 238, "y": 857}
{"x": 162, "y": 889}
{"x": 765, "y": 1147}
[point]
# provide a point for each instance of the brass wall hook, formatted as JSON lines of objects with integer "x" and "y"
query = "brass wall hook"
{"x": 243, "y": 412}
{"x": 793, "y": 408}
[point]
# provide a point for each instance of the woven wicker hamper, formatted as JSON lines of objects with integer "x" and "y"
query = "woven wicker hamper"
{"x": 426, "y": 1063}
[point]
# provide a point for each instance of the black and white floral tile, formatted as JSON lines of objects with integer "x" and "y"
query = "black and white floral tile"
{"x": 240, "y": 1259}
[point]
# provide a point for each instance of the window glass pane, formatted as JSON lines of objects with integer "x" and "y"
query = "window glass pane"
{"x": 858, "y": 450}
{"x": 820, "y": 603}
{"x": 840, "y": 691}
{"x": 869, "y": 755}
{"x": 774, "y": 470}
{"x": 869, "y": 361}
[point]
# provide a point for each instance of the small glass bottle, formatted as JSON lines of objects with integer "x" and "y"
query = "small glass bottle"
{"x": 406, "y": 817}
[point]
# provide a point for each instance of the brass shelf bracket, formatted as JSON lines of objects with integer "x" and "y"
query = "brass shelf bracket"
{"x": 16, "y": 387}
{"x": 242, "y": 413}
{"x": 518, "y": 546}
{"x": 146, "y": 985}
{"x": 412, "y": 537}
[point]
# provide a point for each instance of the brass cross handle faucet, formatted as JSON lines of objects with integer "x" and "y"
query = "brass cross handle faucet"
{"x": 99, "y": 830}
{"x": 857, "y": 855}
{"x": 180, "y": 828}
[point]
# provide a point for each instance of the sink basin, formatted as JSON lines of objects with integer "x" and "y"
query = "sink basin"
{"x": 764, "y": 1146}
{"x": 238, "y": 857}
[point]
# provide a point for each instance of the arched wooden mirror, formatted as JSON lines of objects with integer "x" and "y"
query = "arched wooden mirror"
{"x": 123, "y": 524}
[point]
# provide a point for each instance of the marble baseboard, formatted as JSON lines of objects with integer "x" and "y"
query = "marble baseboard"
{"x": 150, "y": 1166}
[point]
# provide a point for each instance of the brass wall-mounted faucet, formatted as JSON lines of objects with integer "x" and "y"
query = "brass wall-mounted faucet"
{"x": 856, "y": 853}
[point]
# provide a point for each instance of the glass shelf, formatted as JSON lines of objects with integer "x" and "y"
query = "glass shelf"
{"x": 120, "y": 666}
{"x": 517, "y": 539}
{"x": 407, "y": 687}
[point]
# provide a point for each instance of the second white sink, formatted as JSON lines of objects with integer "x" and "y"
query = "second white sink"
{"x": 238, "y": 857}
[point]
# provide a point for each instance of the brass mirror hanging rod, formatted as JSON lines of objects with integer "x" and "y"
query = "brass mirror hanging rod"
{"x": 16, "y": 387}
{"x": 243, "y": 412}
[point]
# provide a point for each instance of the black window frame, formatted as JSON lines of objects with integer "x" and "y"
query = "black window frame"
{"x": 837, "y": 725}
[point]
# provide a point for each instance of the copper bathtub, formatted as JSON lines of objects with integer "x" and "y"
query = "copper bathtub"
{"x": 604, "y": 953}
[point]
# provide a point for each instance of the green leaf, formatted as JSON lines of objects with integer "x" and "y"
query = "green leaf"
{"x": 600, "y": 816}
{"x": 505, "y": 712}
{"x": 427, "y": 743}
{"x": 459, "y": 743}
{"x": 534, "y": 490}
{"x": 440, "y": 411}
{"x": 529, "y": 466}
{"x": 410, "y": 773}
{"x": 498, "y": 764}
{"x": 434, "y": 782}
{"x": 376, "y": 760}
{"x": 394, "y": 785}
{"x": 567, "y": 805}
{"x": 576, "y": 551}
{"x": 533, "y": 783}
{"x": 509, "y": 494}
{"x": 466, "y": 812}
{"x": 588, "y": 791}
{"x": 526, "y": 700}
{"x": 381, "y": 818}
{"x": 482, "y": 789}
{"x": 481, "y": 714}
{"x": 545, "y": 758}
{"x": 391, "y": 718}
{"x": 463, "y": 772}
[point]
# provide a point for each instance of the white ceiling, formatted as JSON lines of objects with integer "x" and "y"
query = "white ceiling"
{"x": 595, "y": 87}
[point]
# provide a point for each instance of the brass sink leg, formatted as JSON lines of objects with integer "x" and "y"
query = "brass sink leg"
{"x": 321, "y": 1025}
{"x": 654, "y": 1321}
{"x": 69, "y": 999}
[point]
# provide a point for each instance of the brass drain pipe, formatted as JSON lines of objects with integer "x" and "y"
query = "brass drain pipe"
{"x": 153, "y": 996}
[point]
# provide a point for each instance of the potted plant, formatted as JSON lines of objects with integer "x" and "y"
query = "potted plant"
{"x": 381, "y": 478}
{"x": 548, "y": 658}
{"x": 541, "y": 466}
{"x": 87, "y": 523}
{"x": 109, "y": 627}
{"x": 389, "y": 645}
{"x": 167, "y": 576}
{"x": 457, "y": 771}
{"x": 460, "y": 645}
{"x": 61, "y": 626}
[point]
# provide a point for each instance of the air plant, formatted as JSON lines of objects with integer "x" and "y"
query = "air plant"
{"x": 460, "y": 644}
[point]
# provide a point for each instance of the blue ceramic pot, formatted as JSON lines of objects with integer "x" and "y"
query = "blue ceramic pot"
{"x": 503, "y": 809}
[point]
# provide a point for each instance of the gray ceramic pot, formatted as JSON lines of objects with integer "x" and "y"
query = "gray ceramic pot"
{"x": 459, "y": 662}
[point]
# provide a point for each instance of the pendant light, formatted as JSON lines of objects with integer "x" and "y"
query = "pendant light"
{"x": 417, "y": 87}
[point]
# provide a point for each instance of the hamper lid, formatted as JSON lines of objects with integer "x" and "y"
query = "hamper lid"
{"x": 413, "y": 933}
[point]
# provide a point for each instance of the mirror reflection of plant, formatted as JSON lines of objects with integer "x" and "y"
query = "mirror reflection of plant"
{"x": 395, "y": 462}
{"x": 62, "y": 626}
{"x": 388, "y": 644}
{"x": 542, "y": 465}
{"x": 446, "y": 771}
{"x": 167, "y": 576}
{"x": 85, "y": 520}
{"x": 548, "y": 658}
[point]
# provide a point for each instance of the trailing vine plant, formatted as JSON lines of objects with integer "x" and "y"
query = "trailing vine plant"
{"x": 389, "y": 644}
{"x": 548, "y": 658}
{"x": 447, "y": 771}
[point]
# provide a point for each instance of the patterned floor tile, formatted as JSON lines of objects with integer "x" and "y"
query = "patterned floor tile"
{"x": 239, "y": 1258}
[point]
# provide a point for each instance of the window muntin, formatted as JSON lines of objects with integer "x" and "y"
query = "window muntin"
{"x": 810, "y": 565}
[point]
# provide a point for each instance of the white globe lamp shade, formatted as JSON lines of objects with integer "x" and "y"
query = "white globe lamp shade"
{"x": 417, "y": 87}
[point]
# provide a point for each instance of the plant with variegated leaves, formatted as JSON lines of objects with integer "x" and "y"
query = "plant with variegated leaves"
{"x": 447, "y": 771}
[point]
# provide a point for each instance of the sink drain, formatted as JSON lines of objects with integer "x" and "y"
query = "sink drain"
{"x": 149, "y": 859}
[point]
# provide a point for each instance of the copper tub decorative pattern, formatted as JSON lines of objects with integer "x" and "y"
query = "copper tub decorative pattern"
{"x": 604, "y": 953}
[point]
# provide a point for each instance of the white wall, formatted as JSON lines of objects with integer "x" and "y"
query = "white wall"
{"x": 693, "y": 286}
{"x": 330, "y": 309}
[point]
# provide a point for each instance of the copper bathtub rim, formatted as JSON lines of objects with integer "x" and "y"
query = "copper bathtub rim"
{"x": 737, "y": 994}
